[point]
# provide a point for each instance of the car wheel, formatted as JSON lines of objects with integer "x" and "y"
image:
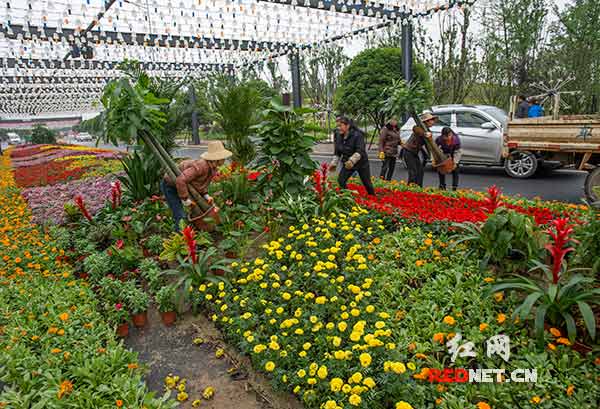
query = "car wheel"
{"x": 592, "y": 186}
{"x": 521, "y": 164}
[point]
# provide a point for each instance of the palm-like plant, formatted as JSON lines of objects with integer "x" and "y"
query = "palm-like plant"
{"x": 555, "y": 299}
{"x": 237, "y": 108}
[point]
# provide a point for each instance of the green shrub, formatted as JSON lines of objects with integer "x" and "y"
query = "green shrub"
{"x": 41, "y": 134}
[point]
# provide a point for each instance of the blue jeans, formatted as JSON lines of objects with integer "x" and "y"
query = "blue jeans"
{"x": 174, "y": 202}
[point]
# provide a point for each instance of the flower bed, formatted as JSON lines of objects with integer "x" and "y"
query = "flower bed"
{"x": 57, "y": 349}
{"x": 47, "y": 202}
{"x": 41, "y": 165}
{"x": 346, "y": 316}
{"x": 428, "y": 207}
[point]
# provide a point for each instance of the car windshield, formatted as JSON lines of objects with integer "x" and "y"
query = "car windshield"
{"x": 498, "y": 114}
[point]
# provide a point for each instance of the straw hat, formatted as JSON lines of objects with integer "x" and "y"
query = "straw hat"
{"x": 216, "y": 151}
{"x": 427, "y": 116}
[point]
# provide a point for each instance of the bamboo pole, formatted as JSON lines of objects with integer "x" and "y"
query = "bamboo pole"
{"x": 172, "y": 169}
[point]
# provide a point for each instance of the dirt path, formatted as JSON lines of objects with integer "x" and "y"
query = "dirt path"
{"x": 170, "y": 350}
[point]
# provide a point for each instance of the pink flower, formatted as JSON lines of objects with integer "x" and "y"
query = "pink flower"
{"x": 120, "y": 244}
{"x": 118, "y": 306}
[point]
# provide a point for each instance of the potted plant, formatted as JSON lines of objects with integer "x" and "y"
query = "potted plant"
{"x": 165, "y": 299}
{"x": 138, "y": 302}
{"x": 121, "y": 318}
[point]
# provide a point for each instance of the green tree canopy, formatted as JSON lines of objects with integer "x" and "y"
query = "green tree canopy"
{"x": 365, "y": 84}
{"x": 41, "y": 134}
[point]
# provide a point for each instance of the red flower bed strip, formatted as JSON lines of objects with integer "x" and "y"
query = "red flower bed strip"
{"x": 47, "y": 173}
{"x": 429, "y": 208}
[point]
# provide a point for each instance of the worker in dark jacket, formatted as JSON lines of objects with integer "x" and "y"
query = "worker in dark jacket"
{"x": 414, "y": 145}
{"x": 350, "y": 148}
{"x": 449, "y": 143}
{"x": 522, "y": 108}
{"x": 389, "y": 139}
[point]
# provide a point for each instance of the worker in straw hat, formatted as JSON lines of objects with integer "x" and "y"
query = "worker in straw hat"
{"x": 196, "y": 173}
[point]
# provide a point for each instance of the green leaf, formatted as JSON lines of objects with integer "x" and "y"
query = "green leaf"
{"x": 588, "y": 318}
{"x": 540, "y": 316}
{"x": 571, "y": 327}
{"x": 525, "y": 308}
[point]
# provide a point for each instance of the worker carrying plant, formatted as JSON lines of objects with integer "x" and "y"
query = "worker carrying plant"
{"x": 197, "y": 174}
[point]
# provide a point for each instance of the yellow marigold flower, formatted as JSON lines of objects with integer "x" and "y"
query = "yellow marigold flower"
{"x": 500, "y": 318}
{"x": 269, "y": 366}
{"x": 181, "y": 387}
{"x": 64, "y": 316}
{"x": 398, "y": 367}
{"x": 342, "y": 326}
{"x": 219, "y": 353}
{"x": 563, "y": 341}
{"x": 322, "y": 372}
{"x": 301, "y": 373}
{"x": 551, "y": 346}
{"x": 336, "y": 384}
{"x": 182, "y": 396}
{"x": 365, "y": 359}
{"x": 483, "y": 405}
{"x": 55, "y": 351}
{"x": 208, "y": 393}
{"x": 369, "y": 382}
{"x": 483, "y": 326}
{"x": 536, "y": 400}
{"x": 411, "y": 366}
{"x": 420, "y": 263}
{"x": 488, "y": 280}
{"x": 196, "y": 403}
{"x": 330, "y": 404}
{"x": 306, "y": 346}
{"x": 555, "y": 332}
{"x": 355, "y": 400}
{"x": 438, "y": 337}
{"x": 356, "y": 377}
{"x": 499, "y": 296}
{"x": 403, "y": 405}
{"x": 346, "y": 388}
{"x": 370, "y": 309}
{"x": 449, "y": 320}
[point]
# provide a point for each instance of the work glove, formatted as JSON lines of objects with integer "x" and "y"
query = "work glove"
{"x": 381, "y": 155}
{"x": 348, "y": 164}
{"x": 209, "y": 199}
{"x": 188, "y": 202}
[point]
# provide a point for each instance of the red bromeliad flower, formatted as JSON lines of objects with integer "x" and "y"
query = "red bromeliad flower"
{"x": 188, "y": 236}
{"x": 120, "y": 244}
{"x": 116, "y": 194}
{"x": 252, "y": 176}
{"x": 81, "y": 204}
{"x": 560, "y": 232}
{"x": 320, "y": 182}
{"x": 492, "y": 202}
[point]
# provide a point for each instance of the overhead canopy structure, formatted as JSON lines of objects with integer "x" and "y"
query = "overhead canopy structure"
{"x": 56, "y": 55}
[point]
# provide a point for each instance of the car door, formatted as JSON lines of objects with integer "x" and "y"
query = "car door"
{"x": 478, "y": 145}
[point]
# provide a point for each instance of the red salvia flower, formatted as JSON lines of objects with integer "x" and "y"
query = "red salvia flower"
{"x": 188, "y": 236}
{"x": 81, "y": 204}
{"x": 560, "y": 231}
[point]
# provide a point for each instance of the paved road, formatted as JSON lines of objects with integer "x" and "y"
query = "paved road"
{"x": 562, "y": 185}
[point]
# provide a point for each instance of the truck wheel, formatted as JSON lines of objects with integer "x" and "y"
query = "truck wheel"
{"x": 592, "y": 185}
{"x": 521, "y": 164}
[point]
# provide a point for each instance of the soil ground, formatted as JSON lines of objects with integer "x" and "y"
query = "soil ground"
{"x": 170, "y": 350}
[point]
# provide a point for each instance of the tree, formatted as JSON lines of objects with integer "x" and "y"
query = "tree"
{"x": 320, "y": 72}
{"x": 452, "y": 59}
{"x": 363, "y": 83}
{"x": 513, "y": 38}
{"x": 575, "y": 52}
{"x": 42, "y": 134}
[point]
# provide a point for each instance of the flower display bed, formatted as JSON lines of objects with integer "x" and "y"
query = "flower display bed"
{"x": 339, "y": 299}
{"x": 41, "y": 165}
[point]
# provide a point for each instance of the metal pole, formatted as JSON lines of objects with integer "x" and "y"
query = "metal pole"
{"x": 195, "y": 135}
{"x": 407, "y": 56}
{"x": 296, "y": 86}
